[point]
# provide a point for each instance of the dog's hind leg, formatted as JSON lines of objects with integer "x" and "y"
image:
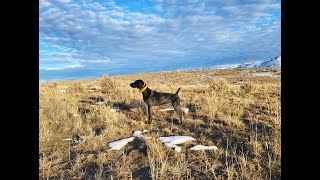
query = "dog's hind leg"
{"x": 177, "y": 108}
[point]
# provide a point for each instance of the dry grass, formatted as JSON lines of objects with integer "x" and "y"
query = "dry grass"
{"x": 232, "y": 109}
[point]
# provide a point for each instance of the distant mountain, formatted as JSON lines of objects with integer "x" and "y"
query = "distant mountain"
{"x": 273, "y": 62}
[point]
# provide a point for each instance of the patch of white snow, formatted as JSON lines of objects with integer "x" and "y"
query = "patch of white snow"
{"x": 176, "y": 139}
{"x": 202, "y": 147}
{"x": 186, "y": 110}
{"x": 117, "y": 145}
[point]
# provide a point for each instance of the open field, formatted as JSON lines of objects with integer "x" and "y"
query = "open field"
{"x": 237, "y": 110}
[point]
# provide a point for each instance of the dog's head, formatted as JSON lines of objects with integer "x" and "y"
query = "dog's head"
{"x": 137, "y": 84}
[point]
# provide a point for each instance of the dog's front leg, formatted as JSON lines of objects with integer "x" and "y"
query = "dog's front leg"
{"x": 149, "y": 113}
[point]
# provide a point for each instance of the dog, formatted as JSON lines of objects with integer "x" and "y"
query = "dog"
{"x": 154, "y": 98}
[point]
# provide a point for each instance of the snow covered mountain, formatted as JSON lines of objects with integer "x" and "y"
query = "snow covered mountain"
{"x": 273, "y": 62}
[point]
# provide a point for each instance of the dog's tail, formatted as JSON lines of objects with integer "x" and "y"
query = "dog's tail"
{"x": 178, "y": 91}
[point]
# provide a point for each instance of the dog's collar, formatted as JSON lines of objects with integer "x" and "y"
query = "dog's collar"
{"x": 144, "y": 88}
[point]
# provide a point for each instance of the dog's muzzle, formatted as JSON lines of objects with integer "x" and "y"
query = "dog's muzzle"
{"x": 133, "y": 85}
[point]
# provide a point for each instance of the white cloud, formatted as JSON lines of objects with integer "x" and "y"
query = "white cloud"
{"x": 98, "y": 61}
{"x": 63, "y": 68}
{"x": 64, "y": 1}
{"x": 93, "y": 6}
{"x": 44, "y": 3}
{"x": 57, "y": 61}
{"x": 116, "y": 13}
{"x": 260, "y": 14}
{"x": 103, "y": 32}
{"x": 55, "y": 46}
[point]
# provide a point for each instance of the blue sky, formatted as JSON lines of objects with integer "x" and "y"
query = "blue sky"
{"x": 84, "y": 39}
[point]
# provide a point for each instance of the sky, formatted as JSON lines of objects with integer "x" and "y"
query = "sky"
{"x": 85, "y": 39}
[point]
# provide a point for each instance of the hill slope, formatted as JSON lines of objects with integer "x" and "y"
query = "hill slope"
{"x": 274, "y": 62}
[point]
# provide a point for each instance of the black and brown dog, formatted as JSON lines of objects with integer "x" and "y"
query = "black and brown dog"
{"x": 154, "y": 98}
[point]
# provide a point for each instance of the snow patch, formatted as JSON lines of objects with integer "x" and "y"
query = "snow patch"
{"x": 136, "y": 133}
{"x": 202, "y": 147}
{"x": 140, "y": 135}
{"x": 63, "y": 90}
{"x": 173, "y": 140}
{"x": 169, "y": 141}
{"x": 272, "y": 62}
{"x": 115, "y": 109}
{"x": 265, "y": 75}
{"x": 185, "y": 110}
{"x": 100, "y": 102}
{"x": 239, "y": 82}
{"x": 177, "y": 149}
{"x": 167, "y": 109}
{"x": 117, "y": 145}
{"x": 226, "y": 66}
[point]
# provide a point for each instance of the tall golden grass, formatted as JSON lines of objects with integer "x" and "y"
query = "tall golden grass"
{"x": 232, "y": 109}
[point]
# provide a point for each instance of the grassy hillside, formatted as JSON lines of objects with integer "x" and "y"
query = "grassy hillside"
{"x": 237, "y": 110}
